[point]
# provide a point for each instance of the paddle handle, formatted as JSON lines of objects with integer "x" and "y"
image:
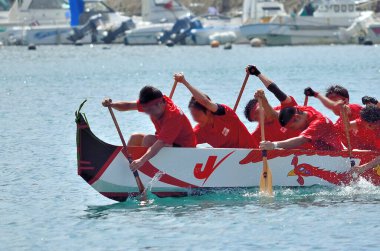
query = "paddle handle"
{"x": 346, "y": 124}
{"x": 266, "y": 175}
{"x": 173, "y": 89}
{"x": 262, "y": 119}
{"x": 241, "y": 91}
{"x": 117, "y": 127}
{"x": 139, "y": 183}
{"x": 306, "y": 100}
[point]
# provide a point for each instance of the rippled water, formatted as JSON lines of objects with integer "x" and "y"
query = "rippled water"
{"x": 44, "y": 205}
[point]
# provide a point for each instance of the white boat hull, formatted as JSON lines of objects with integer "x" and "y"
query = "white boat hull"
{"x": 186, "y": 171}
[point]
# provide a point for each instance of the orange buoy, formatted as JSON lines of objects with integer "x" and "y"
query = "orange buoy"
{"x": 215, "y": 44}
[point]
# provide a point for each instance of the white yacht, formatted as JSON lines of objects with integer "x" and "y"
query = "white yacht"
{"x": 374, "y": 31}
{"x": 319, "y": 22}
{"x": 48, "y": 21}
{"x": 157, "y": 17}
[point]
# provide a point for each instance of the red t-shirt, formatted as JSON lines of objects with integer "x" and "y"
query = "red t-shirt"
{"x": 173, "y": 127}
{"x": 291, "y": 104}
{"x": 227, "y": 131}
{"x": 320, "y": 131}
{"x": 354, "y": 114}
{"x": 364, "y": 138}
{"x": 273, "y": 130}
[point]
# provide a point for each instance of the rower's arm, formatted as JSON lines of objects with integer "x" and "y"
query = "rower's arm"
{"x": 197, "y": 94}
{"x": 270, "y": 85}
{"x": 292, "y": 142}
{"x": 153, "y": 150}
{"x": 328, "y": 103}
{"x": 363, "y": 168}
{"x": 268, "y": 109}
{"x": 124, "y": 106}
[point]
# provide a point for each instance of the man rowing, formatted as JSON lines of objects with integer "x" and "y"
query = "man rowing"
{"x": 317, "y": 131}
{"x": 172, "y": 126}
{"x": 273, "y": 130}
{"x": 218, "y": 125}
{"x": 366, "y": 100}
{"x": 365, "y": 131}
{"x": 336, "y": 96}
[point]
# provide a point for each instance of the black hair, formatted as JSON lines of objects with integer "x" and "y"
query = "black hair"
{"x": 337, "y": 90}
{"x": 248, "y": 108}
{"x": 149, "y": 93}
{"x": 370, "y": 114}
{"x": 193, "y": 103}
{"x": 286, "y": 115}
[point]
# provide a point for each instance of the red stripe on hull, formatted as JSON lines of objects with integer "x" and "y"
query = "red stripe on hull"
{"x": 105, "y": 166}
{"x": 149, "y": 170}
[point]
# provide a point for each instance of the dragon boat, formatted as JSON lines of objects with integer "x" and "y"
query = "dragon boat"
{"x": 177, "y": 172}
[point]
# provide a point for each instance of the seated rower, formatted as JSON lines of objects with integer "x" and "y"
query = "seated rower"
{"x": 335, "y": 97}
{"x": 317, "y": 131}
{"x": 218, "y": 125}
{"x": 366, "y": 100}
{"x": 273, "y": 130}
{"x": 365, "y": 131}
{"x": 172, "y": 126}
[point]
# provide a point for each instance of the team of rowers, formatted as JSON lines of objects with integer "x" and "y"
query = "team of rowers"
{"x": 287, "y": 126}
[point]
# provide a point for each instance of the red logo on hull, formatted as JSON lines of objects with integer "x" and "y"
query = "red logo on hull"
{"x": 209, "y": 168}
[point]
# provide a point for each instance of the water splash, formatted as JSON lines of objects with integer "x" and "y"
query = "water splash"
{"x": 154, "y": 181}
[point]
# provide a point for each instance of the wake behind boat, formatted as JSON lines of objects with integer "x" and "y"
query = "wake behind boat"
{"x": 189, "y": 171}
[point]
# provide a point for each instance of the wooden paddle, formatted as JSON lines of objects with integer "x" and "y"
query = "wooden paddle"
{"x": 266, "y": 186}
{"x": 173, "y": 89}
{"x": 306, "y": 100}
{"x": 346, "y": 124}
{"x": 140, "y": 185}
{"x": 241, "y": 92}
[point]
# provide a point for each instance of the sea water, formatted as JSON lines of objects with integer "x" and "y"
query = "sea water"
{"x": 45, "y": 205}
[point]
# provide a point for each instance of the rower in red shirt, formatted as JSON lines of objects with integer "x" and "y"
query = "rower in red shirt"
{"x": 218, "y": 125}
{"x": 366, "y": 100}
{"x": 317, "y": 131}
{"x": 365, "y": 131}
{"x": 172, "y": 126}
{"x": 273, "y": 130}
{"x": 336, "y": 96}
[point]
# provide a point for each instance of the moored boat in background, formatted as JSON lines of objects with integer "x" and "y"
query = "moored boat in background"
{"x": 319, "y": 22}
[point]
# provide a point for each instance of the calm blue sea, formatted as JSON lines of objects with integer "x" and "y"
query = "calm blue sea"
{"x": 44, "y": 205}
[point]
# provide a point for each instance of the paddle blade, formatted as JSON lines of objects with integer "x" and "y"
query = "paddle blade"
{"x": 266, "y": 186}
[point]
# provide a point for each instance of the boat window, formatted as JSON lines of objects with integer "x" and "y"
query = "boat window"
{"x": 336, "y": 8}
{"x": 48, "y": 4}
{"x": 323, "y": 8}
{"x": 166, "y": 3}
{"x": 96, "y": 7}
{"x": 343, "y": 8}
{"x": 271, "y": 8}
{"x": 4, "y": 5}
{"x": 351, "y": 8}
